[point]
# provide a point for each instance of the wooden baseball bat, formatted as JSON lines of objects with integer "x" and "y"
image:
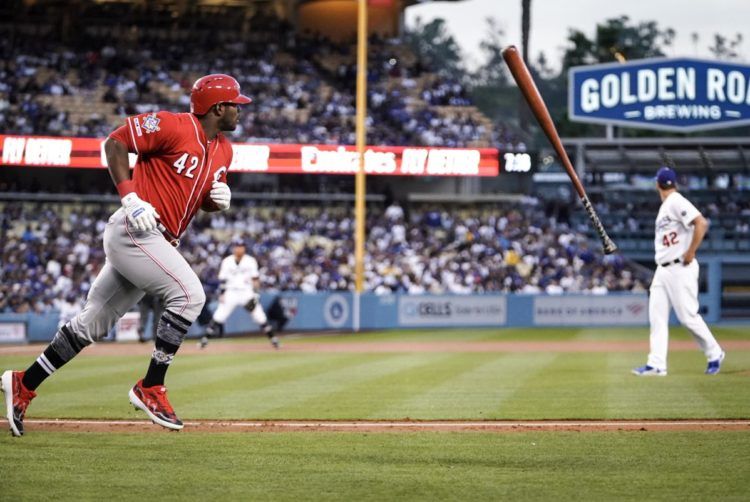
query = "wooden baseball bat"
{"x": 529, "y": 90}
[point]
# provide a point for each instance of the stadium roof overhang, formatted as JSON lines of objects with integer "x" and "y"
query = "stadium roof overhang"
{"x": 635, "y": 155}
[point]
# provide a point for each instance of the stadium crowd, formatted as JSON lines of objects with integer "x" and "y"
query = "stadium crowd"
{"x": 89, "y": 85}
{"x": 51, "y": 253}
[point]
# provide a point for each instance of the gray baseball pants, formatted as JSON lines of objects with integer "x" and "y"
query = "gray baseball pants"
{"x": 137, "y": 263}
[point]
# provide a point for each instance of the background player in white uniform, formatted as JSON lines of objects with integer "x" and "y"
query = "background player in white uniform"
{"x": 680, "y": 229}
{"x": 240, "y": 282}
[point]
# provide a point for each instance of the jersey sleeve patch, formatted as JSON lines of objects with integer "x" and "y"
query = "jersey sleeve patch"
{"x": 686, "y": 212}
{"x": 152, "y": 132}
{"x": 151, "y": 124}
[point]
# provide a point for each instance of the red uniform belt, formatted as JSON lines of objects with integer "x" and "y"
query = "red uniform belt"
{"x": 174, "y": 241}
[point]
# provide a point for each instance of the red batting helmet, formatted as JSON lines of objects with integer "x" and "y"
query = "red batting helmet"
{"x": 213, "y": 89}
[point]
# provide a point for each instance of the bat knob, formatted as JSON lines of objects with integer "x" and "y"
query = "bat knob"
{"x": 509, "y": 49}
{"x": 609, "y": 246}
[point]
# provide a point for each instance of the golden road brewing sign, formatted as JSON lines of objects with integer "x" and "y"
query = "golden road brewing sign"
{"x": 681, "y": 94}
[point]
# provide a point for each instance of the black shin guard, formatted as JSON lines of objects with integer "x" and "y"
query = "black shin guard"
{"x": 64, "y": 347}
{"x": 170, "y": 334}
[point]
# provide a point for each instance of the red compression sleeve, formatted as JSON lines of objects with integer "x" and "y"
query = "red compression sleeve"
{"x": 125, "y": 187}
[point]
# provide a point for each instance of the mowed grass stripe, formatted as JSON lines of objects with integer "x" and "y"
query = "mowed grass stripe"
{"x": 383, "y": 380}
{"x": 389, "y": 395}
{"x": 613, "y": 334}
{"x": 305, "y": 394}
{"x": 89, "y": 387}
{"x": 257, "y": 389}
{"x": 622, "y": 397}
{"x": 453, "y": 335}
{"x": 729, "y": 390}
{"x": 338, "y": 385}
{"x": 557, "y": 334}
{"x": 681, "y": 466}
{"x": 677, "y": 395}
{"x": 201, "y": 374}
{"x": 569, "y": 386}
{"x": 474, "y": 386}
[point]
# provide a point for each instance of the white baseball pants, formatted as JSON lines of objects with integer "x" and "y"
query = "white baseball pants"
{"x": 677, "y": 286}
{"x": 233, "y": 298}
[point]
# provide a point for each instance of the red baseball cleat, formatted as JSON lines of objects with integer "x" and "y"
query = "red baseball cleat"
{"x": 17, "y": 399}
{"x": 153, "y": 400}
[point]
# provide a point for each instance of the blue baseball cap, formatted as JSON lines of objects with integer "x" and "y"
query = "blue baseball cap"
{"x": 666, "y": 177}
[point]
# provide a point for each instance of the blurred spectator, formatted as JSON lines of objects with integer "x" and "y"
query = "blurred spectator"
{"x": 310, "y": 248}
{"x": 302, "y": 85}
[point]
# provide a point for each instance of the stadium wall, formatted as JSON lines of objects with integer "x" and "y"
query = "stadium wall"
{"x": 335, "y": 311}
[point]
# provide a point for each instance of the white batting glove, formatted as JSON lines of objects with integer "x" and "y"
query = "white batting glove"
{"x": 140, "y": 213}
{"x": 221, "y": 195}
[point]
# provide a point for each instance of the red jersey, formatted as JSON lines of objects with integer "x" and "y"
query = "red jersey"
{"x": 176, "y": 163}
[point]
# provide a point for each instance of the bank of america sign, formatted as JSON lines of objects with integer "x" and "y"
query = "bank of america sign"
{"x": 680, "y": 94}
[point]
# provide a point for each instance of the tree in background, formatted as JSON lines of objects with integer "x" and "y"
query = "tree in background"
{"x": 490, "y": 85}
{"x": 617, "y": 39}
{"x": 725, "y": 48}
{"x": 436, "y": 46}
{"x": 492, "y": 72}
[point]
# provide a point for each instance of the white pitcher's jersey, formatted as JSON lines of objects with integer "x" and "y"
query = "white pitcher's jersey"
{"x": 673, "y": 229}
{"x": 238, "y": 275}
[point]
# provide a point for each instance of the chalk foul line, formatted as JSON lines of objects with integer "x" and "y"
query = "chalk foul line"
{"x": 385, "y": 425}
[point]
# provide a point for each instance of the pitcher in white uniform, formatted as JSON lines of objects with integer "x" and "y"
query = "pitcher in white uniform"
{"x": 680, "y": 229}
{"x": 240, "y": 281}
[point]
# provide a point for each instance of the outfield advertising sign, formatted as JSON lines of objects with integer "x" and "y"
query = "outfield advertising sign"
{"x": 590, "y": 310}
{"x": 12, "y": 332}
{"x": 126, "y": 329}
{"x": 336, "y": 311}
{"x": 435, "y": 310}
{"x": 680, "y": 94}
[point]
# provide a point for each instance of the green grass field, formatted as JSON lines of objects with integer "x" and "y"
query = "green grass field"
{"x": 537, "y": 465}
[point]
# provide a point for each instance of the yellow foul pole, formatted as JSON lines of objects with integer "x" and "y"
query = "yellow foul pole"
{"x": 359, "y": 193}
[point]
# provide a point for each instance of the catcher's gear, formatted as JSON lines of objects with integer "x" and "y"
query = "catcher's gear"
{"x": 250, "y": 306}
{"x": 221, "y": 195}
{"x": 140, "y": 213}
{"x": 213, "y": 89}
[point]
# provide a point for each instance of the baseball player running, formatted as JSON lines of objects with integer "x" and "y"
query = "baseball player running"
{"x": 680, "y": 229}
{"x": 240, "y": 280}
{"x": 181, "y": 167}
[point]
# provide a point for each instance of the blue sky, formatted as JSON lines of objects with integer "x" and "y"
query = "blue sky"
{"x": 551, "y": 19}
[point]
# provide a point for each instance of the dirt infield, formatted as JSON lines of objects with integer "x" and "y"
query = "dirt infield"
{"x": 223, "y": 347}
{"x": 503, "y": 426}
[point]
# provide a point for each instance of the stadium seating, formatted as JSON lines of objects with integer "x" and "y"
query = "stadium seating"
{"x": 52, "y": 251}
{"x": 630, "y": 216}
{"x": 302, "y": 85}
